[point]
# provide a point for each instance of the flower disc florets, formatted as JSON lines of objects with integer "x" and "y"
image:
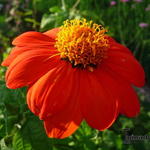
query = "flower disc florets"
{"x": 82, "y": 43}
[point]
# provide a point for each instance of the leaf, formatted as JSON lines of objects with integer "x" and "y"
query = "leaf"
{"x": 54, "y": 9}
{"x": 20, "y": 143}
{"x": 31, "y": 136}
{"x": 53, "y": 20}
{"x": 47, "y": 20}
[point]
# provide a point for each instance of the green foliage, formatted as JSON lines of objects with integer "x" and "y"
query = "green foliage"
{"x": 19, "y": 128}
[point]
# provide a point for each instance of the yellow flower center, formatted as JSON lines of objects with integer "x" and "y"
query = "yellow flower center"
{"x": 82, "y": 43}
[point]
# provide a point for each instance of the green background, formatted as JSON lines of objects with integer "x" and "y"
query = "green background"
{"x": 19, "y": 128}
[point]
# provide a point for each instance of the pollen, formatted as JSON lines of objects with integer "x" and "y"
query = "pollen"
{"x": 82, "y": 43}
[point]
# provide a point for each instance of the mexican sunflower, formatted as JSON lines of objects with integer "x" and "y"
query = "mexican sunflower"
{"x": 73, "y": 73}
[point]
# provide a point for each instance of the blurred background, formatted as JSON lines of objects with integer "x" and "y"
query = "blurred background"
{"x": 128, "y": 21}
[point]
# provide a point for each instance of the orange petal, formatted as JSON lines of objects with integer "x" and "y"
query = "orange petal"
{"x": 63, "y": 124}
{"x": 125, "y": 66}
{"x": 66, "y": 121}
{"x": 52, "y": 33}
{"x": 19, "y": 50}
{"x": 28, "y": 67}
{"x": 117, "y": 47}
{"x": 54, "y": 97}
{"x": 33, "y": 38}
{"x": 29, "y": 41}
{"x": 98, "y": 105}
{"x": 52, "y": 91}
{"x": 128, "y": 100}
{"x": 38, "y": 93}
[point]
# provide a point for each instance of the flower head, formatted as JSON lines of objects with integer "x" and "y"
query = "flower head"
{"x": 112, "y": 3}
{"x": 75, "y": 72}
{"x": 143, "y": 25}
{"x": 82, "y": 43}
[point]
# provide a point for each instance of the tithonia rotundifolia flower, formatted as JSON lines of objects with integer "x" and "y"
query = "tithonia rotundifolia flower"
{"x": 73, "y": 73}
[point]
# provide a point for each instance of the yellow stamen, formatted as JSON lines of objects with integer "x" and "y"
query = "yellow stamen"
{"x": 82, "y": 43}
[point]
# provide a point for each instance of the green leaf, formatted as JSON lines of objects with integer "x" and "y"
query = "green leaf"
{"x": 31, "y": 136}
{"x": 21, "y": 143}
{"x": 53, "y": 20}
{"x": 54, "y": 9}
{"x": 47, "y": 20}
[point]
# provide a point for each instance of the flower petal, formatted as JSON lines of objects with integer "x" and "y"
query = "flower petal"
{"x": 98, "y": 105}
{"x": 52, "y": 33}
{"x": 28, "y": 67}
{"x": 66, "y": 121}
{"x": 126, "y": 66}
{"x": 53, "y": 91}
{"x": 63, "y": 124}
{"x": 19, "y": 50}
{"x": 54, "y": 98}
{"x": 29, "y": 41}
{"x": 128, "y": 100}
{"x": 33, "y": 38}
{"x": 117, "y": 47}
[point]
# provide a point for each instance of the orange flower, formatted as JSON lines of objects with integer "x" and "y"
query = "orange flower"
{"x": 75, "y": 72}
